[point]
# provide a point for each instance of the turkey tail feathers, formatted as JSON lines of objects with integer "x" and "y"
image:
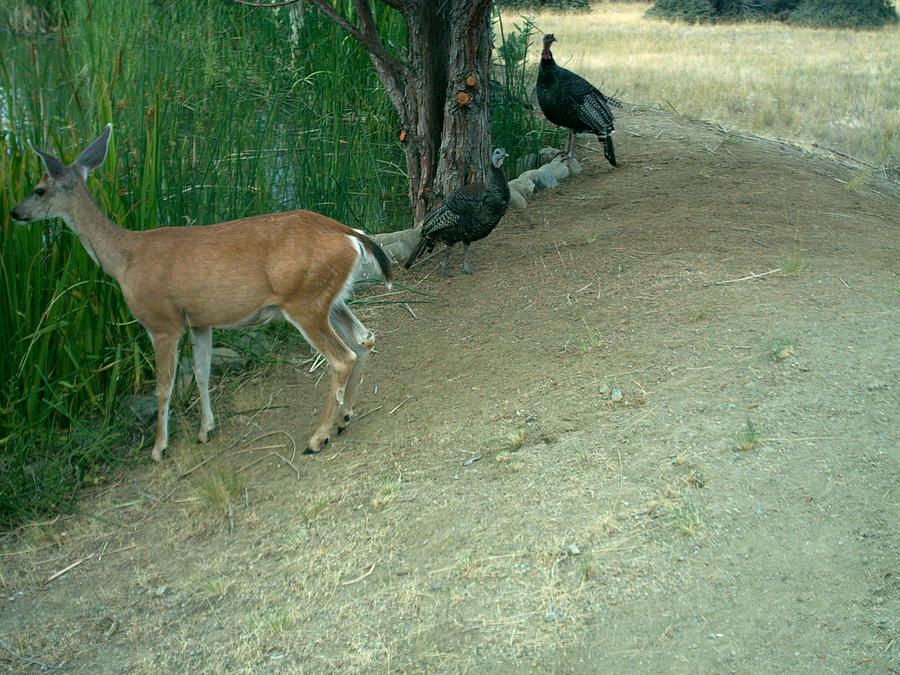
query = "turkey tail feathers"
{"x": 417, "y": 251}
{"x": 609, "y": 151}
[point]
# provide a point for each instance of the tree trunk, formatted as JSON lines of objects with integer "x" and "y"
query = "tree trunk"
{"x": 466, "y": 132}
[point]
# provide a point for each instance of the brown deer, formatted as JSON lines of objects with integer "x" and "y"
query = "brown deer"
{"x": 297, "y": 265}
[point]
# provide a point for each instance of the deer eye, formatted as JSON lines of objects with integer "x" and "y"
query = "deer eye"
{"x": 39, "y": 192}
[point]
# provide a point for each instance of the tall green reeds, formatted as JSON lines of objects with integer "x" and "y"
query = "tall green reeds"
{"x": 219, "y": 112}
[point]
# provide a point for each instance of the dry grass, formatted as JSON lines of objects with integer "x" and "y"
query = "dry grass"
{"x": 838, "y": 88}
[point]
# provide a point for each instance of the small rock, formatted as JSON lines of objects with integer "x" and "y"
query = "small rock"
{"x": 559, "y": 170}
{"x": 516, "y": 201}
{"x": 574, "y": 166}
{"x": 523, "y": 185}
{"x": 160, "y": 591}
{"x": 532, "y": 177}
{"x": 548, "y": 154}
{"x": 225, "y": 358}
{"x": 572, "y": 549}
{"x": 616, "y": 395}
{"x": 253, "y": 343}
{"x": 547, "y": 177}
{"x": 143, "y": 407}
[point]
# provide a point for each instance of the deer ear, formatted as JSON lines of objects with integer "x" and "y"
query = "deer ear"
{"x": 53, "y": 166}
{"x": 94, "y": 154}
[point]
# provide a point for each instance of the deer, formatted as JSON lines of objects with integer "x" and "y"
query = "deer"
{"x": 296, "y": 265}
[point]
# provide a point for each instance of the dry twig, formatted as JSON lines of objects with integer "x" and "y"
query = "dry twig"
{"x": 360, "y": 577}
{"x": 29, "y": 660}
{"x": 748, "y": 277}
{"x": 397, "y": 407}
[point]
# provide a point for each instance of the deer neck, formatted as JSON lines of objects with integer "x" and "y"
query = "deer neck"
{"x": 108, "y": 244}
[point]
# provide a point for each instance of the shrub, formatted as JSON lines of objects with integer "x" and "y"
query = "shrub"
{"x": 827, "y": 13}
{"x": 551, "y": 5}
{"x": 844, "y": 13}
{"x": 692, "y": 11}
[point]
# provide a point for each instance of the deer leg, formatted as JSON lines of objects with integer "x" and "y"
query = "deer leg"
{"x": 201, "y": 338}
{"x": 166, "y": 350}
{"x": 360, "y": 340}
{"x": 466, "y": 268}
{"x": 318, "y": 332}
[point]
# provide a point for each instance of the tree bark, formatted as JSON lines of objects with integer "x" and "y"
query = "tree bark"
{"x": 466, "y": 130}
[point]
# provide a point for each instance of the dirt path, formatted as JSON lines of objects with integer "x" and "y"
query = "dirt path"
{"x": 591, "y": 535}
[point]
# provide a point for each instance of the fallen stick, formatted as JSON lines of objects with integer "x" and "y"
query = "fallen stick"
{"x": 747, "y": 278}
{"x": 360, "y": 577}
{"x": 67, "y": 568}
{"x": 366, "y": 414}
{"x": 80, "y": 561}
{"x": 29, "y": 660}
{"x": 399, "y": 404}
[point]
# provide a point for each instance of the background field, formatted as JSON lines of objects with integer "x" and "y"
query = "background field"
{"x": 836, "y": 88}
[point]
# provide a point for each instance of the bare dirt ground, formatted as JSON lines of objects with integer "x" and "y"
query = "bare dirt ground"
{"x": 591, "y": 535}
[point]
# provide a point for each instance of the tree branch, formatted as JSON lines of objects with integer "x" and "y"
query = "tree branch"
{"x": 368, "y": 37}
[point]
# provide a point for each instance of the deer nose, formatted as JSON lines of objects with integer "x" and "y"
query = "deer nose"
{"x": 14, "y": 215}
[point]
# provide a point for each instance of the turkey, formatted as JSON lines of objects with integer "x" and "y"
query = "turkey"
{"x": 570, "y": 101}
{"x": 469, "y": 214}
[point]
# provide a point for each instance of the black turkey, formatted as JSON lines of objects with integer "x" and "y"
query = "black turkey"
{"x": 469, "y": 214}
{"x": 568, "y": 100}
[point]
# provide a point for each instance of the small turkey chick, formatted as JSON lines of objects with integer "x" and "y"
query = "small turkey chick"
{"x": 570, "y": 101}
{"x": 468, "y": 214}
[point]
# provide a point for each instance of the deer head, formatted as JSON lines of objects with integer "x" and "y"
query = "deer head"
{"x": 52, "y": 196}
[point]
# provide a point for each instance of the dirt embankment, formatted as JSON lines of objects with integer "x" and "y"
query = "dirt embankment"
{"x": 736, "y": 511}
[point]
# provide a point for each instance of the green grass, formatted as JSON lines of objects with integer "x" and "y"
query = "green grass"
{"x": 687, "y": 518}
{"x": 748, "y": 437}
{"x": 512, "y": 441}
{"x": 219, "y": 488}
{"x": 781, "y": 348}
{"x": 218, "y": 113}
